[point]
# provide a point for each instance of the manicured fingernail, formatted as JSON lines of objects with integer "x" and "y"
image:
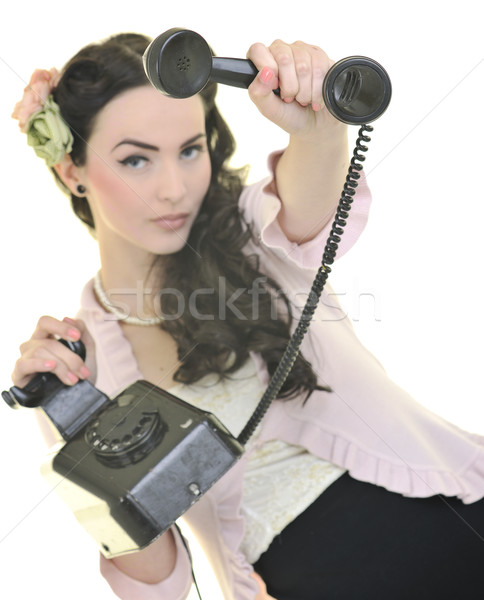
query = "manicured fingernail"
{"x": 288, "y": 100}
{"x": 72, "y": 377}
{"x": 49, "y": 364}
{"x": 73, "y": 334}
{"x": 316, "y": 107}
{"x": 266, "y": 75}
{"x": 84, "y": 371}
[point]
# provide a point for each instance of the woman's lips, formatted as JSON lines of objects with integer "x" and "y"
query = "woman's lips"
{"x": 171, "y": 222}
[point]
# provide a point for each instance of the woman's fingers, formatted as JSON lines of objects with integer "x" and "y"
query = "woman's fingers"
{"x": 25, "y": 367}
{"x": 298, "y": 69}
{"x": 50, "y": 327}
{"x": 45, "y": 353}
{"x": 48, "y": 355}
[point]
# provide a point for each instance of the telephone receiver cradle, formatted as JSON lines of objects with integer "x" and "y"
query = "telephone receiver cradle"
{"x": 179, "y": 63}
{"x": 129, "y": 467}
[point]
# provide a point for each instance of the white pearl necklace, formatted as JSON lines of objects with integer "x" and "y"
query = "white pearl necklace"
{"x": 120, "y": 316}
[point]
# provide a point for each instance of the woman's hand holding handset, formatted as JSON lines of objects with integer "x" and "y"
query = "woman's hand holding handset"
{"x": 298, "y": 69}
{"x": 312, "y": 170}
{"x": 44, "y": 353}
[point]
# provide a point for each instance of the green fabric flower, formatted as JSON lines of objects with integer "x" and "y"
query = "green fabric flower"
{"x": 48, "y": 133}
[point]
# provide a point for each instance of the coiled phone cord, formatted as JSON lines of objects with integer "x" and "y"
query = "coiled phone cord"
{"x": 329, "y": 254}
{"x": 292, "y": 350}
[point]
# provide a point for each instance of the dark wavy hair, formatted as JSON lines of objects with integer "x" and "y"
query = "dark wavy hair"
{"x": 206, "y": 343}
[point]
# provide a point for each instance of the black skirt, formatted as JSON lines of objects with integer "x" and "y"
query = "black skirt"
{"x": 358, "y": 541}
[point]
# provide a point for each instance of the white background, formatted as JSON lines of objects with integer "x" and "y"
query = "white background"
{"x": 412, "y": 285}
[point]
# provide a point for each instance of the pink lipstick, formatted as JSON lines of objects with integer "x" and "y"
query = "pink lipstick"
{"x": 171, "y": 222}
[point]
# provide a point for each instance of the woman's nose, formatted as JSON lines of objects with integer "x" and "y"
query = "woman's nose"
{"x": 171, "y": 185}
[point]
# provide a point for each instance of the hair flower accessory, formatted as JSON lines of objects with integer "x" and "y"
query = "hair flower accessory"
{"x": 40, "y": 118}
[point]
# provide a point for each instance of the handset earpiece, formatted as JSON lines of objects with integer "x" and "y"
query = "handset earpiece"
{"x": 179, "y": 63}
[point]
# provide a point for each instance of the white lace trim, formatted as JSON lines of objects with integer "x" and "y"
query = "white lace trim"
{"x": 292, "y": 479}
{"x": 232, "y": 400}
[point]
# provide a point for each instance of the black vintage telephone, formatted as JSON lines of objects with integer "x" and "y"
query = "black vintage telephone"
{"x": 129, "y": 467}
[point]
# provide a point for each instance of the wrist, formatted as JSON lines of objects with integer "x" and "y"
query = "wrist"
{"x": 151, "y": 564}
{"x": 328, "y": 143}
{"x": 328, "y": 132}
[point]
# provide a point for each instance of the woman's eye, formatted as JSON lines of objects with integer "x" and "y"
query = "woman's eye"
{"x": 191, "y": 152}
{"x": 134, "y": 162}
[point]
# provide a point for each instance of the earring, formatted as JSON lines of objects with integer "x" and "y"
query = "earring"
{"x": 81, "y": 189}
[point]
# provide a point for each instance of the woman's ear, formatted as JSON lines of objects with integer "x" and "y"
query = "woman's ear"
{"x": 70, "y": 175}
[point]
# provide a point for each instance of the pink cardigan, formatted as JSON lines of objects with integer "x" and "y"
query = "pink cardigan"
{"x": 367, "y": 425}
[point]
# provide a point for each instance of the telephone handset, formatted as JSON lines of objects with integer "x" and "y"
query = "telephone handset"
{"x": 179, "y": 63}
{"x": 131, "y": 466}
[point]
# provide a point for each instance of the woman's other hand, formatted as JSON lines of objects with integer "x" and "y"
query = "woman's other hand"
{"x": 43, "y": 352}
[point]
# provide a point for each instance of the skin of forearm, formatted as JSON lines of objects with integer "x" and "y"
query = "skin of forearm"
{"x": 152, "y": 564}
{"x": 310, "y": 176}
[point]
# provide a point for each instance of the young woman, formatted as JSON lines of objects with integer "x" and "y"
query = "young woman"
{"x": 348, "y": 488}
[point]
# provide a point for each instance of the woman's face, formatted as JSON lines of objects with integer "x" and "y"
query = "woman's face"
{"x": 147, "y": 170}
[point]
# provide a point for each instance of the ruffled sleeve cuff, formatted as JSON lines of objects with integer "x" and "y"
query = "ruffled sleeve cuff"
{"x": 175, "y": 587}
{"x": 449, "y": 462}
{"x": 261, "y": 205}
{"x": 414, "y": 481}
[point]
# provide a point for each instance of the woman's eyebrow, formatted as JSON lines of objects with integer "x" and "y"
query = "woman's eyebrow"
{"x": 193, "y": 139}
{"x": 136, "y": 143}
{"x": 146, "y": 146}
